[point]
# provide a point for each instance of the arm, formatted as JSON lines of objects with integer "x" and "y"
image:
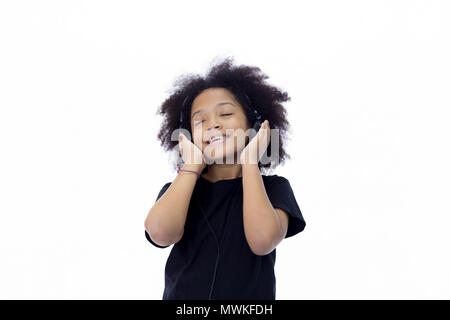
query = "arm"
{"x": 264, "y": 226}
{"x": 166, "y": 219}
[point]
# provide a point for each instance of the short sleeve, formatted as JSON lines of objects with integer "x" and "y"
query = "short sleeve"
{"x": 147, "y": 236}
{"x": 281, "y": 196}
{"x": 153, "y": 243}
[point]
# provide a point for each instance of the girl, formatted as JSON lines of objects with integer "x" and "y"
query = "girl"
{"x": 224, "y": 217}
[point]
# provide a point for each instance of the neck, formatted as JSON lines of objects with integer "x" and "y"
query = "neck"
{"x": 218, "y": 172}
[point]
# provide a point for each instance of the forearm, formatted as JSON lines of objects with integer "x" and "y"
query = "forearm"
{"x": 166, "y": 219}
{"x": 261, "y": 222}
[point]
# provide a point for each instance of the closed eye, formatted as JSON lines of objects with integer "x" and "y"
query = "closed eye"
{"x": 222, "y": 115}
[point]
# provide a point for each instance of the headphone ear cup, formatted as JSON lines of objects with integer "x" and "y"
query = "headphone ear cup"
{"x": 257, "y": 126}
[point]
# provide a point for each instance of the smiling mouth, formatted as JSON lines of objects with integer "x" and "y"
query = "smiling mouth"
{"x": 218, "y": 141}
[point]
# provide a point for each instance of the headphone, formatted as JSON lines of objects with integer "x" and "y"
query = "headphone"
{"x": 256, "y": 126}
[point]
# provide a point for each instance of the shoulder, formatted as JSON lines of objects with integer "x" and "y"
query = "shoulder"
{"x": 163, "y": 190}
{"x": 277, "y": 187}
{"x": 165, "y": 187}
{"x": 269, "y": 179}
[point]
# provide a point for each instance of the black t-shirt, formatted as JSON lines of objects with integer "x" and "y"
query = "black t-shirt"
{"x": 240, "y": 274}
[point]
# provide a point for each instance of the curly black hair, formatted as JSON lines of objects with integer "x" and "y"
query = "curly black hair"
{"x": 245, "y": 83}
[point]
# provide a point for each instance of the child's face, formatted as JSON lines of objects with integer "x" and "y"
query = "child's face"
{"x": 215, "y": 112}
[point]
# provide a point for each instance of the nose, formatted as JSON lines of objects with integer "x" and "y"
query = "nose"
{"x": 214, "y": 127}
{"x": 214, "y": 124}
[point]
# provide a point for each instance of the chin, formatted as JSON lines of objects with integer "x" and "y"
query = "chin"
{"x": 220, "y": 157}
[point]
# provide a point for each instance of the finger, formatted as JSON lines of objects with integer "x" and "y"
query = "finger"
{"x": 264, "y": 125}
{"x": 264, "y": 130}
{"x": 268, "y": 131}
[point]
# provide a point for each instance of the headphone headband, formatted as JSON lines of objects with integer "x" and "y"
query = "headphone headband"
{"x": 181, "y": 111}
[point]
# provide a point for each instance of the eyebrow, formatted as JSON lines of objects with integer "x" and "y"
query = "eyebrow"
{"x": 217, "y": 105}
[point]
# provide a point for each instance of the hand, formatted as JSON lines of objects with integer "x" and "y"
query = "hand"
{"x": 254, "y": 150}
{"x": 190, "y": 153}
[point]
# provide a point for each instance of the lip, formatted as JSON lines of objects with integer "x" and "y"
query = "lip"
{"x": 224, "y": 138}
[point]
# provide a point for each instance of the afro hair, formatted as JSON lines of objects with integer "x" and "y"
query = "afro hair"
{"x": 249, "y": 87}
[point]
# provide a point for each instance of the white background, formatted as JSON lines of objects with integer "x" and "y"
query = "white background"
{"x": 80, "y": 165}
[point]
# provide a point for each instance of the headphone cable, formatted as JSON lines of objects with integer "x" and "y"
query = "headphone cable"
{"x": 217, "y": 242}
